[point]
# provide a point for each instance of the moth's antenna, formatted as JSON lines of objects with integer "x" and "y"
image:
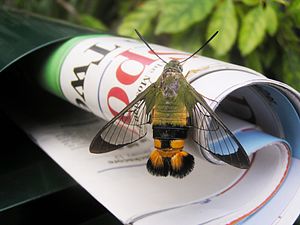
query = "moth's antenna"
{"x": 201, "y": 47}
{"x": 140, "y": 36}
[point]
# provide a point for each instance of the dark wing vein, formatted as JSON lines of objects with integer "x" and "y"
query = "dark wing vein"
{"x": 212, "y": 135}
{"x": 126, "y": 127}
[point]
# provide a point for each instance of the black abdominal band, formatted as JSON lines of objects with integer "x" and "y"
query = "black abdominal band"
{"x": 168, "y": 132}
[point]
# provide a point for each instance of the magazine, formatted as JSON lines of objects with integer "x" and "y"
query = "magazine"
{"x": 120, "y": 181}
{"x": 102, "y": 73}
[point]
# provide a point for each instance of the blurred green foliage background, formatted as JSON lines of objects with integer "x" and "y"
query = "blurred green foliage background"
{"x": 260, "y": 34}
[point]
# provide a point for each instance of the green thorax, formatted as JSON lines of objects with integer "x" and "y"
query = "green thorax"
{"x": 171, "y": 93}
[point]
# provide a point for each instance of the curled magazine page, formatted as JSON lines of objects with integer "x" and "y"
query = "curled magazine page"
{"x": 268, "y": 170}
{"x": 102, "y": 75}
{"x": 284, "y": 204}
{"x": 119, "y": 179}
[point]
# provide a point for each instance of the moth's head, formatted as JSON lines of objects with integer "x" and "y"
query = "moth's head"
{"x": 173, "y": 65}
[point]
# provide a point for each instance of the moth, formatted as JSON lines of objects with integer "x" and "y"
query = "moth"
{"x": 173, "y": 107}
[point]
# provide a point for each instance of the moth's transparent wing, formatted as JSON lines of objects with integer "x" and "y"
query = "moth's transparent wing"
{"x": 128, "y": 126}
{"x": 212, "y": 134}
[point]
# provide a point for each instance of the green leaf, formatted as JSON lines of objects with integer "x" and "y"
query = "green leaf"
{"x": 291, "y": 69}
{"x": 251, "y": 2}
{"x": 283, "y": 2}
{"x": 125, "y": 7}
{"x": 253, "y": 61}
{"x": 139, "y": 19}
{"x": 294, "y": 11}
{"x": 178, "y": 15}
{"x": 271, "y": 20}
{"x": 225, "y": 21}
{"x": 92, "y": 22}
{"x": 189, "y": 40}
{"x": 269, "y": 54}
{"x": 286, "y": 37}
{"x": 224, "y": 58}
{"x": 252, "y": 31}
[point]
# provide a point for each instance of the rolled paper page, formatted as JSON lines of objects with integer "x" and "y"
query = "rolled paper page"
{"x": 103, "y": 73}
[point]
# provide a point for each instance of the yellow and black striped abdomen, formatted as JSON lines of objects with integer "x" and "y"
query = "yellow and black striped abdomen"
{"x": 169, "y": 123}
{"x": 169, "y": 131}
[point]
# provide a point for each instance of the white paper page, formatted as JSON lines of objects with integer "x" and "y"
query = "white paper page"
{"x": 283, "y": 208}
{"x": 263, "y": 194}
{"x": 120, "y": 181}
{"x": 244, "y": 198}
{"x": 290, "y": 213}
